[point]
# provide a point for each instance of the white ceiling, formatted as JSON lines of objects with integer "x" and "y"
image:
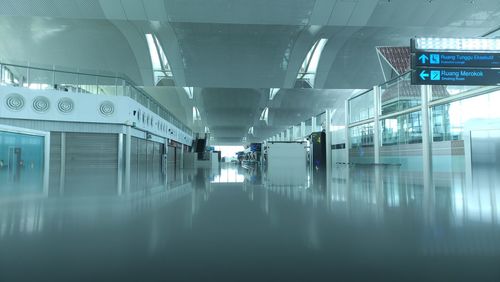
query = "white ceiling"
{"x": 233, "y": 50}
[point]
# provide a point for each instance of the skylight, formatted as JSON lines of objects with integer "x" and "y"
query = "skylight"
{"x": 273, "y": 92}
{"x": 310, "y": 65}
{"x": 189, "y": 92}
{"x": 196, "y": 114}
{"x": 161, "y": 68}
{"x": 264, "y": 116}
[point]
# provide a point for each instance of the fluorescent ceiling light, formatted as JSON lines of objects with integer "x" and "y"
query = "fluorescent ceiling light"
{"x": 457, "y": 44}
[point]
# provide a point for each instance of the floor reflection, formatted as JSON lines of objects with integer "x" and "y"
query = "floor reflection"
{"x": 232, "y": 223}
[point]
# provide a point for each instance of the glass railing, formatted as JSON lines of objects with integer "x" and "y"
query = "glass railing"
{"x": 77, "y": 82}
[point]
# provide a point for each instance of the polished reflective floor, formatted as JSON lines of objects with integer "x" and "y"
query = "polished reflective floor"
{"x": 356, "y": 223}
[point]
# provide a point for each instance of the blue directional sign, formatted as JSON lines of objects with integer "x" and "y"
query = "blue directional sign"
{"x": 436, "y": 75}
{"x": 435, "y": 59}
{"x": 456, "y": 59}
{"x": 424, "y": 75}
{"x": 423, "y": 59}
{"x": 455, "y": 76}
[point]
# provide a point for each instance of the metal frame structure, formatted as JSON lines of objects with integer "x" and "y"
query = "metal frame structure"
{"x": 427, "y": 103}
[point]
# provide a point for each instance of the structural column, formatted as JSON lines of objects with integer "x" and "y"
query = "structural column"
{"x": 120, "y": 165}
{"x": 62, "y": 176}
{"x": 46, "y": 164}
{"x": 303, "y": 129}
{"x": 426, "y": 135}
{"x": 181, "y": 165}
{"x": 313, "y": 124}
{"x": 347, "y": 137}
{"x": 165, "y": 162}
{"x": 128, "y": 152}
{"x": 376, "y": 125}
{"x": 328, "y": 144}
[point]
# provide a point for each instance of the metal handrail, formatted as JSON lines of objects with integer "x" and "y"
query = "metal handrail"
{"x": 152, "y": 103}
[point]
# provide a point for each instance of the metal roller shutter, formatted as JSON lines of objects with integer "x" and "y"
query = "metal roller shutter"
{"x": 55, "y": 162}
{"x": 143, "y": 165}
{"x": 134, "y": 164}
{"x": 91, "y": 163}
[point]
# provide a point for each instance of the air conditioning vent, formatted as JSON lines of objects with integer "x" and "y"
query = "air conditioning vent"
{"x": 15, "y": 102}
{"x": 65, "y": 105}
{"x": 41, "y": 104}
{"x": 107, "y": 108}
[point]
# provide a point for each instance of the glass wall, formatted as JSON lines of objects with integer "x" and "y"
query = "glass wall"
{"x": 401, "y": 141}
{"x": 361, "y": 107}
{"x": 450, "y": 120}
{"x": 320, "y": 122}
{"x": 21, "y": 163}
{"x": 403, "y": 129}
{"x": 308, "y": 126}
{"x": 361, "y": 149}
{"x": 442, "y": 91}
{"x": 398, "y": 95}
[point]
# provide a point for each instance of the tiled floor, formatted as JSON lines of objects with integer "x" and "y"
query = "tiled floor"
{"x": 365, "y": 224}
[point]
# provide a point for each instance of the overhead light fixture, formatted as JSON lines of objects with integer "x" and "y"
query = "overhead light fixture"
{"x": 250, "y": 131}
{"x": 456, "y": 44}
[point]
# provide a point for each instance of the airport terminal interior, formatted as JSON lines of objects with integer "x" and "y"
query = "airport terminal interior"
{"x": 249, "y": 140}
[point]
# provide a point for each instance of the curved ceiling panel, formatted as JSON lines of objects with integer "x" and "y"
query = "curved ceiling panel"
{"x": 235, "y": 55}
{"x": 88, "y": 46}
